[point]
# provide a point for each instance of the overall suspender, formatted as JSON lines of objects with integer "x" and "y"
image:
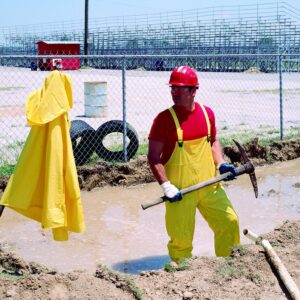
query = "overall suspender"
{"x": 180, "y": 131}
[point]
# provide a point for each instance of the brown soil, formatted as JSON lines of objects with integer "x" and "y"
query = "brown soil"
{"x": 137, "y": 170}
{"x": 247, "y": 274}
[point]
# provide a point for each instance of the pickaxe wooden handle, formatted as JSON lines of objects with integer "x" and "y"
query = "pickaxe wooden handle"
{"x": 246, "y": 168}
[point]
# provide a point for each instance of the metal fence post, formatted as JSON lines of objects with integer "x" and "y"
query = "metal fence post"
{"x": 124, "y": 107}
{"x": 280, "y": 95}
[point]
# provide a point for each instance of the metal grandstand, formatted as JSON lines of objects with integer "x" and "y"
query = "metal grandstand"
{"x": 269, "y": 28}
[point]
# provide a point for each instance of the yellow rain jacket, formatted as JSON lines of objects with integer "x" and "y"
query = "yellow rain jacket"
{"x": 44, "y": 185}
{"x": 190, "y": 163}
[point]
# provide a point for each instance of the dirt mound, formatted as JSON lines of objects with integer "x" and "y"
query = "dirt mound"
{"x": 264, "y": 154}
{"x": 137, "y": 171}
{"x": 21, "y": 280}
{"x": 104, "y": 173}
{"x": 246, "y": 274}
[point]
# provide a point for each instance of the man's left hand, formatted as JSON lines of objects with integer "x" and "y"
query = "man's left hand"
{"x": 226, "y": 167}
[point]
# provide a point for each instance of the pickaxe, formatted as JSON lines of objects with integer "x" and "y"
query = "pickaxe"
{"x": 246, "y": 168}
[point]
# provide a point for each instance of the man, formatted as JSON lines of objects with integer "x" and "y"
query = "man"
{"x": 183, "y": 151}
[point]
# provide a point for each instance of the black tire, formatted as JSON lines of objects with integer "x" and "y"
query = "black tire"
{"x": 83, "y": 141}
{"x": 111, "y": 127}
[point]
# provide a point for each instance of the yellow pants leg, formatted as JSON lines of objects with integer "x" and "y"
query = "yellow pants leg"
{"x": 180, "y": 224}
{"x": 217, "y": 210}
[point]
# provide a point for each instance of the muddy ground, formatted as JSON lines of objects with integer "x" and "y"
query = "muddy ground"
{"x": 246, "y": 274}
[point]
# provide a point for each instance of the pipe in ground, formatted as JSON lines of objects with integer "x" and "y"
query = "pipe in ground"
{"x": 277, "y": 264}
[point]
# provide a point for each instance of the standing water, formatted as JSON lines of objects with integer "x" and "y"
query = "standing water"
{"x": 122, "y": 236}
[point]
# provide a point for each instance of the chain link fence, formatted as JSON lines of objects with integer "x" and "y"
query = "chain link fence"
{"x": 116, "y": 99}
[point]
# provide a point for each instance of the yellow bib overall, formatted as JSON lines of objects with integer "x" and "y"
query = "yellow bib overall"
{"x": 190, "y": 163}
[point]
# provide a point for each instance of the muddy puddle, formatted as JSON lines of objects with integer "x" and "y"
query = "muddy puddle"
{"x": 121, "y": 235}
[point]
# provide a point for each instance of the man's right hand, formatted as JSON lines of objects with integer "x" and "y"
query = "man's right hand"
{"x": 171, "y": 192}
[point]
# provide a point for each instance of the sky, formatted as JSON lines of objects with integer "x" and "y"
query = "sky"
{"x": 25, "y": 12}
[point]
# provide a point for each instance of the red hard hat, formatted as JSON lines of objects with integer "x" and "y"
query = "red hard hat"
{"x": 184, "y": 76}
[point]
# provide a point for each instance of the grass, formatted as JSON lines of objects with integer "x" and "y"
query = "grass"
{"x": 6, "y": 169}
{"x": 264, "y": 126}
{"x": 12, "y": 277}
{"x": 116, "y": 277}
{"x": 265, "y": 133}
{"x": 182, "y": 265}
{"x": 273, "y": 131}
{"x": 292, "y": 133}
{"x": 135, "y": 289}
{"x": 228, "y": 270}
{"x": 241, "y": 249}
{"x": 93, "y": 159}
{"x": 11, "y": 88}
{"x": 7, "y": 165}
{"x": 143, "y": 148}
{"x": 11, "y": 271}
{"x": 169, "y": 267}
{"x": 266, "y": 91}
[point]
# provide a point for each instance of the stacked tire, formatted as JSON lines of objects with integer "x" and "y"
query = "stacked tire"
{"x": 83, "y": 141}
{"x": 116, "y": 126}
{"x": 86, "y": 141}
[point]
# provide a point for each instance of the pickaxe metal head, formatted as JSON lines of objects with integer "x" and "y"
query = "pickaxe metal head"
{"x": 249, "y": 167}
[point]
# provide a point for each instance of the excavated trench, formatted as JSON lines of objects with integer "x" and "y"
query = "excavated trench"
{"x": 121, "y": 235}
